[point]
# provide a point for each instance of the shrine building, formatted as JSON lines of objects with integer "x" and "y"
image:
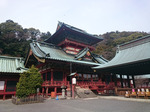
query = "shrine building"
{"x": 66, "y": 52}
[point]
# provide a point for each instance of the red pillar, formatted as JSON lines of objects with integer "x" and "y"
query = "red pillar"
{"x": 52, "y": 79}
{"x": 4, "y": 89}
{"x": 46, "y": 92}
{"x": 82, "y": 79}
{"x": 73, "y": 90}
{"x": 46, "y": 76}
{"x": 91, "y": 78}
{"x": 65, "y": 78}
{"x": 43, "y": 91}
{"x": 55, "y": 90}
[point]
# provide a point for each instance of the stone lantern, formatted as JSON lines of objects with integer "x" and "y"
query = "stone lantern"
{"x": 63, "y": 87}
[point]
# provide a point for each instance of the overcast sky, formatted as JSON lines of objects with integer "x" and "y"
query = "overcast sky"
{"x": 93, "y": 16}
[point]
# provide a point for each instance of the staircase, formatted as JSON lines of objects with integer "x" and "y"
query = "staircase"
{"x": 84, "y": 93}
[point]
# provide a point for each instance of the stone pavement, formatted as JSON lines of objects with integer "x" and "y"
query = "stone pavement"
{"x": 98, "y": 104}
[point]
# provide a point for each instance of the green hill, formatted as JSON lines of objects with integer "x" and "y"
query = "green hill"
{"x": 107, "y": 48}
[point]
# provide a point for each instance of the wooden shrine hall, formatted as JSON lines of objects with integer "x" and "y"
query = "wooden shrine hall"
{"x": 9, "y": 75}
{"x": 67, "y": 51}
{"x": 132, "y": 59}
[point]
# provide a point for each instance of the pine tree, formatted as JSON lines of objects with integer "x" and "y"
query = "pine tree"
{"x": 29, "y": 82}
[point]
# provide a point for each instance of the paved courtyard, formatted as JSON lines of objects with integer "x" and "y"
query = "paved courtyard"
{"x": 79, "y": 105}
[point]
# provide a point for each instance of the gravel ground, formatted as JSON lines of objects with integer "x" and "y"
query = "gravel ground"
{"x": 79, "y": 105}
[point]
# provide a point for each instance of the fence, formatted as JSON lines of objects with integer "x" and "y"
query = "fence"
{"x": 27, "y": 100}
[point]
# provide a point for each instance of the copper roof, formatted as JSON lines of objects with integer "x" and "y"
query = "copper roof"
{"x": 10, "y": 64}
{"x": 131, "y": 52}
{"x": 48, "y": 51}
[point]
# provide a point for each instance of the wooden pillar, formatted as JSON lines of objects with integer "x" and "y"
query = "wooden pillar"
{"x": 43, "y": 91}
{"x": 100, "y": 77}
{"x": 82, "y": 79}
{"x": 73, "y": 90}
{"x": 46, "y": 76}
{"x": 52, "y": 79}
{"x": 5, "y": 90}
{"x": 121, "y": 81}
{"x": 129, "y": 86}
{"x": 115, "y": 80}
{"x": 133, "y": 81}
{"x": 91, "y": 78}
{"x": 111, "y": 76}
{"x": 46, "y": 92}
{"x": 63, "y": 77}
{"x": 55, "y": 90}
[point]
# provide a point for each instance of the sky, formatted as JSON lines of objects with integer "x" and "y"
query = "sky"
{"x": 93, "y": 16}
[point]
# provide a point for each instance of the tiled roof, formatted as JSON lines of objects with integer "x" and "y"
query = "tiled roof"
{"x": 130, "y": 52}
{"x": 49, "y": 51}
{"x": 78, "y": 30}
{"x": 10, "y": 64}
{"x": 97, "y": 58}
{"x": 69, "y": 32}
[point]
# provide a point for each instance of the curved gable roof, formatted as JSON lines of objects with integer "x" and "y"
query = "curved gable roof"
{"x": 72, "y": 33}
{"x": 44, "y": 50}
{"x": 131, "y": 52}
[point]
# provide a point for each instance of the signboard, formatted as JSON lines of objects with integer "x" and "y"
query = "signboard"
{"x": 74, "y": 81}
{"x": 2, "y": 85}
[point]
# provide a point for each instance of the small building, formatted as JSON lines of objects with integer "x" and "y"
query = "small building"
{"x": 67, "y": 51}
{"x": 9, "y": 75}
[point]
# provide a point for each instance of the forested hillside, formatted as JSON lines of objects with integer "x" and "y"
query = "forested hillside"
{"x": 14, "y": 39}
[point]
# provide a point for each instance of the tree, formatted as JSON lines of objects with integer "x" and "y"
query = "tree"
{"x": 29, "y": 82}
{"x": 45, "y": 36}
{"x": 33, "y": 34}
{"x": 14, "y": 39}
{"x": 10, "y": 29}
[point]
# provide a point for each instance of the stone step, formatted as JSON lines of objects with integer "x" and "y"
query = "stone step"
{"x": 84, "y": 93}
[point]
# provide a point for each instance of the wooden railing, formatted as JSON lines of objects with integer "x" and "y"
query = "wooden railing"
{"x": 60, "y": 83}
{"x": 8, "y": 93}
{"x": 55, "y": 83}
{"x": 99, "y": 83}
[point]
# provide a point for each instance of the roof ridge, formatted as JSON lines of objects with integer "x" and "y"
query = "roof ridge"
{"x": 50, "y": 45}
{"x": 81, "y": 52}
{"x": 133, "y": 43}
{"x": 79, "y": 30}
{"x": 140, "y": 38}
{"x": 39, "y": 47}
{"x": 11, "y": 57}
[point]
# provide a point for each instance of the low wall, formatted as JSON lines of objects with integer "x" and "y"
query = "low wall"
{"x": 27, "y": 100}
